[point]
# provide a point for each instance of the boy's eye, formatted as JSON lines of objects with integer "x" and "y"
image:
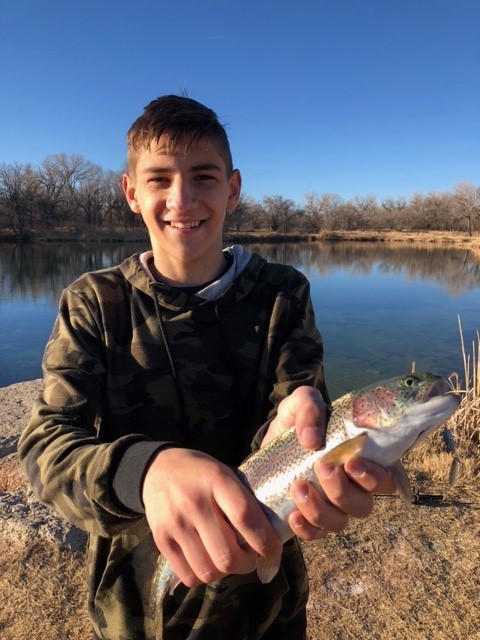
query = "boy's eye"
{"x": 160, "y": 180}
{"x": 204, "y": 177}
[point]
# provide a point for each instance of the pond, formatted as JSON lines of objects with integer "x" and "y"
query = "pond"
{"x": 379, "y": 308}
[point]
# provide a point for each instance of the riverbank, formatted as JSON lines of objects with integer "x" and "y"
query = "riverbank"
{"x": 398, "y": 574}
{"x": 432, "y": 238}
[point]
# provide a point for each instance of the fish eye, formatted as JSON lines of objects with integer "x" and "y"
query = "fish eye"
{"x": 410, "y": 381}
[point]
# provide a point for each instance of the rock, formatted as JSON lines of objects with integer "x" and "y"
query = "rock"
{"x": 15, "y": 406}
{"x": 21, "y": 514}
{"x": 8, "y": 445}
{"x": 21, "y": 510}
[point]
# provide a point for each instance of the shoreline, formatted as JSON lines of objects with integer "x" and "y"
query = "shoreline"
{"x": 459, "y": 239}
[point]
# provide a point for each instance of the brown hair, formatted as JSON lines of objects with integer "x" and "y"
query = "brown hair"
{"x": 183, "y": 121}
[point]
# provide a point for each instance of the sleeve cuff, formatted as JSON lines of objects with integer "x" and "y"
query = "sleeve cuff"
{"x": 128, "y": 478}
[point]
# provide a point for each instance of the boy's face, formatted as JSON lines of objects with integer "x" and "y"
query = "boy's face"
{"x": 183, "y": 199}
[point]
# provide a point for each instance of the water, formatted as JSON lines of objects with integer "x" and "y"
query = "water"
{"x": 379, "y": 309}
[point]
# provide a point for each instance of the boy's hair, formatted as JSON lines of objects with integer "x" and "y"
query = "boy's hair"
{"x": 183, "y": 121}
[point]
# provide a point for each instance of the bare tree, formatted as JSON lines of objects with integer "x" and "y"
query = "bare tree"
{"x": 117, "y": 213}
{"x": 52, "y": 194}
{"x": 346, "y": 217}
{"x": 467, "y": 201}
{"x": 319, "y": 208}
{"x": 279, "y": 213}
{"x": 18, "y": 188}
{"x": 245, "y": 217}
{"x": 394, "y": 204}
{"x": 366, "y": 204}
{"x": 89, "y": 196}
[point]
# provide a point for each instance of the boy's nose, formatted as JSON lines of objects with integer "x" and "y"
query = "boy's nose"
{"x": 181, "y": 196}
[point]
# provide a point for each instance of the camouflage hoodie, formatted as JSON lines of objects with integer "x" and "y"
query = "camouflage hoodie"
{"x": 132, "y": 364}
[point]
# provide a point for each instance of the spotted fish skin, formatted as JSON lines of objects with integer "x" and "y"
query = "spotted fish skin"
{"x": 380, "y": 422}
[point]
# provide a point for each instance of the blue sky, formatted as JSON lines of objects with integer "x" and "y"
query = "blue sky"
{"x": 353, "y": 97}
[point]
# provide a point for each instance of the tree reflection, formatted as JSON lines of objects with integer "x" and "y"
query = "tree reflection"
{"x": 43, "y": 270}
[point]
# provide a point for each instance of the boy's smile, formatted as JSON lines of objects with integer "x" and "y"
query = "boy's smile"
{"x": 183, "y": 198}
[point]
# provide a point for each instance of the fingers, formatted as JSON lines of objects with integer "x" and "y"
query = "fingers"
{"x": 247, "y": 517}
{"x": 370, "y": 476}
{"x": 204, "y": 521}
{"x": 343, "y": 492}
{"x": 305, "y": 410}
{"x": 203, "y": 555}
{"x": 316, "y": 516}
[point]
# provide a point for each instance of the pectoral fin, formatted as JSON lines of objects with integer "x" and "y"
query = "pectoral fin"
{"x": 346, "y": 450}
{"x": 267, "y": 568}
{"x": 403, "y": 483}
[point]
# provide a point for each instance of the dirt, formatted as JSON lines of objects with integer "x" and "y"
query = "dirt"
{"x": 400, "y": 574}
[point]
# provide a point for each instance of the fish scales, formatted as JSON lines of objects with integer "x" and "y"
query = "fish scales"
{"x": 270, "y": 472}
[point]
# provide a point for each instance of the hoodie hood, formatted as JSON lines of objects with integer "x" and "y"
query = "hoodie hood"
{"x": 246, "y": 266}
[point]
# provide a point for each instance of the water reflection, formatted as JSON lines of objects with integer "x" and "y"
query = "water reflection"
{"x": 38, "y": 270}
{"x": 454, "y": 269}
{"x": 44, "y": 270}
{"x": 379, "y": 307}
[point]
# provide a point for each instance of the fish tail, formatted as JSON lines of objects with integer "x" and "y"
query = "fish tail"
{"x": 164, "y": 583}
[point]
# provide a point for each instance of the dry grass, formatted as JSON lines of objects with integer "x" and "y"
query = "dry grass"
{"x": 43, "y": 590}
{"x": 458, "y": 239}
{"x": 399, "y": 575}
{"x": 462, "y": 462}
{"x": 12, "y": 477}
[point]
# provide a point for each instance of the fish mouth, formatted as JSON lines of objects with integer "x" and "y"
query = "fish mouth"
{"x": 440, "y": 387}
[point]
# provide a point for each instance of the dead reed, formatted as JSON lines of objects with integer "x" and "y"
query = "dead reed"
{"x": 456, "y": 459}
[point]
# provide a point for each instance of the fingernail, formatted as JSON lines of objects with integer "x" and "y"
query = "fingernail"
{"x": 325, "y": 470}
{"x": 300, "y": 492}
{"x": 311, "y": 438}
{"x": 298, "y": 523}
{"x": 357, "y": 469}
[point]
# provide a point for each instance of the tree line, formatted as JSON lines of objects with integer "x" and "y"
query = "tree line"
{"x": 70, "y": 193}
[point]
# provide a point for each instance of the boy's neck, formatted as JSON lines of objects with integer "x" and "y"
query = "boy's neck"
{"x": 190, "y": 277}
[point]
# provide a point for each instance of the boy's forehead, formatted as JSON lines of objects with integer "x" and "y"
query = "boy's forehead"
{"x": 164, "y": 147}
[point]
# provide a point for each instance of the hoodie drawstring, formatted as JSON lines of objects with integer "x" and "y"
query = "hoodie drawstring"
{"x": 176, "y": 380}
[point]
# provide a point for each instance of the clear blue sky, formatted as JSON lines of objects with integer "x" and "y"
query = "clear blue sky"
{"x": 353, "y": 97}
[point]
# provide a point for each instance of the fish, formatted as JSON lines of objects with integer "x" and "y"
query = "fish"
{"x": 380, "y": 422}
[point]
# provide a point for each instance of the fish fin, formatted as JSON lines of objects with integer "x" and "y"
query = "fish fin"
{"x": 173, "y": 584}
{"x": 346, "y": 450}
{"x": 165, "y": 581}
{"x": 267, "y": 568}
{"x": 403, "y": 483}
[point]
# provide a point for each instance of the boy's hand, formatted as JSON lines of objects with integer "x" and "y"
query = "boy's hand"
{"x": 193, "y": 503}
{"x": 348, "y": 490}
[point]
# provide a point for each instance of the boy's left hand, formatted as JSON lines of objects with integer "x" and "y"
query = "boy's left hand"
{"x": 348, "y": 490}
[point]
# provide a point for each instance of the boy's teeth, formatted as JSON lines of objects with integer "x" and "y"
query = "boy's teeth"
{"x": 185, "y": 225}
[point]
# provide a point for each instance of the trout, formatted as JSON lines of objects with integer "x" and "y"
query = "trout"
{"x": 381, "y": 422}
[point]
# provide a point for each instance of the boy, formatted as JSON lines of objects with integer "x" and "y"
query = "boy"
{"x": 161, "y": 373}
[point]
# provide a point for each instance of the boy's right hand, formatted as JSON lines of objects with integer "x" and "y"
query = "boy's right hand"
{"x": 195, "y": 506}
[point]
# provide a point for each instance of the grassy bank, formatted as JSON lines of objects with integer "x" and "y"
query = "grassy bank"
{"x": 140, "y": 235}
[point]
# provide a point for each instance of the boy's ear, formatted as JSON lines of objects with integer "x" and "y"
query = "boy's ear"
{"x": 235, "y": 183}
{"x": 129, "y": 190}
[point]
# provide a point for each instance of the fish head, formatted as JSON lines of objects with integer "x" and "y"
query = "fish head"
{"x": 401, "y": 412}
